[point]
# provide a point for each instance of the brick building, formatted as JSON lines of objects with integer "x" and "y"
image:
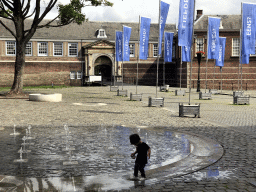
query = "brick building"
{"x": 67, "y": 54}
{"x": 230, "y": 28}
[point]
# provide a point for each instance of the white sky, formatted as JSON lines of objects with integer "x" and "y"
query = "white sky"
{"x": 129, "y": 10}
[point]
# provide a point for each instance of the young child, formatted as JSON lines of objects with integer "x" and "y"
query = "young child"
{"x": 143, "y": 151}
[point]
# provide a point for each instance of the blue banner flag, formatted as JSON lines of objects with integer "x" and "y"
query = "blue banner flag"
{"x": 186, "y": 56}
{"x": 245, "y": 58}
{"x": 248, "y": 29}
{"x": 168, "y": 41}
{"x": 119, "y": 45}
{"x": 144, "y": 37}
{"x": 220, "y": 61}
{"x": 185, "y": 27}
{"x": 126, "y": 38}
{"x": 164, "y": 7}
{"x": 213, "y": 38}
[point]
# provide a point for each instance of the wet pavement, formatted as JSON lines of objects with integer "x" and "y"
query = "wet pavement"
{"x": 93, "y": 155}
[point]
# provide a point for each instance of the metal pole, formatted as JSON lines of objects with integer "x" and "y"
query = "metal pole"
{"x": 164, "y": 67}
{"x": 180, "y": 65}
{"x": 123, "y": 62}
{"x": 114, "y": 61}
{"x": 138, "y": 53}
{"x": 191, "y": 49}
{"x": 158, "y": 46}
{"x": 221, "y": 78}
{"x": 240, "y": 55}
{"x": 206, "y": 73}
{"x": 241, "y": 77}
{"x": 213, "y": 76}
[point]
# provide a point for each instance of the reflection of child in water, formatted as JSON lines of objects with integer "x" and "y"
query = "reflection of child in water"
{"x": 143, "y": 151}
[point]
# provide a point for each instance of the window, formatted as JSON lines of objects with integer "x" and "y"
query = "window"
{"x": 42, "y": 48}
{"x": 72, "y": 49}
{"x": 72, "y": 75}
{"x": 101, "y": 33}
{"x": 199, "y": 44}
{"x": 28, "y": 50}
{"x": 10, "y": 48}
{"x": 132, "y": 50}
{"x": 155, "y": 50}
{"x": 235, "y": 46}
{"x": 79, "y": 75}
{"x": 57, "y": 49}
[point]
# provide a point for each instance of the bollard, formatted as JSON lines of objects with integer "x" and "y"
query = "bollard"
{"x": 232, "y": 86}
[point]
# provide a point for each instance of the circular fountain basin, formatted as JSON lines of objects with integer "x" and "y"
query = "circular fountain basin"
{"x": 56, "y": 97}
{"x": 100, "y": 155}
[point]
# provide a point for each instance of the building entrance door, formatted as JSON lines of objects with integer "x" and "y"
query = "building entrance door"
{"x": 103, "y": 66}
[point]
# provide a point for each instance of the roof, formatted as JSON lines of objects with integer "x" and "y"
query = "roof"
{"x": 87, "y": 31}
{"x": 229, "y": 22}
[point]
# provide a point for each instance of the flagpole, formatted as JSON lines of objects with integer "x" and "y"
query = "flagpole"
{"x": 240, "y": 55}
{"x": 158, "y": 47}
{"x": 221, "y": 78}
{"x": 241, "y": 77}
{"x": 138, "y": 53}
{"x": 214, "y": 76}
{"x": 180, "y": 65}
{"x": 123, "y": 61}
{"x": 191, "y": 53}
{"x": 115, "y": 60}
{"x": 207, "y": 56}
{"x": 164, "y": 67}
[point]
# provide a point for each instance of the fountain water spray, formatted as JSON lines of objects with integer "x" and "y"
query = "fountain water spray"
{"x": 14, "y": 131}
{"x": 20, "y": 160}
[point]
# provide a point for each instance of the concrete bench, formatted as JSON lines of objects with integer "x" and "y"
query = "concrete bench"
{"x": 55, "y": 97}
{"x": 189, "y": 110}
{"x": 242, "y": 100}
{"x": 122, "y": 93}
{"x": 205, "y": 95}
{"x": 238, "y": 93}
{"x": 155, "y": 102}
{"x": 180, "y": 92}
{"x": 135, "y": 97}
{"x": 114, "y": 88}
{"x": 213, "y": 91}
{"x": 164, "y": 88}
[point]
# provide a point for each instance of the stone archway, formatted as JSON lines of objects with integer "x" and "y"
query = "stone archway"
{"x": 103, "y": 66}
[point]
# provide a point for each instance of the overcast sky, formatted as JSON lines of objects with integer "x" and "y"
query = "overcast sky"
{"x": 129, "y": 10}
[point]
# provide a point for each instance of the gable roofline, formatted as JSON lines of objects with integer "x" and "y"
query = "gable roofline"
{"x": 98, "y": 42}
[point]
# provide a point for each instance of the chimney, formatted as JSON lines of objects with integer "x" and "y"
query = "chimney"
{"x": 199, "y": 13}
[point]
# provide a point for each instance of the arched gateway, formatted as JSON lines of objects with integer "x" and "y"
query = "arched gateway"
{"x": 99, "y": 60}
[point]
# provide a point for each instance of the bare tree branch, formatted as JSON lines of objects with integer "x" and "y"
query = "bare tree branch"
{"x": 8, "y": 29}
{"x": 7, "y": 4}
{"x": 26, "y": 9}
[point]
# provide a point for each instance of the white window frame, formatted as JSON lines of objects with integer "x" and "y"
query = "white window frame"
{"x": 132, "y": 49}
{"x": 30, "y": 48}
{"x": 101, "y": 33}
{"x": 70, "y": 55}
{"x": 79, "y": 75}
{"x": 55, "y": 48}
{"x": 155, "y": 50}
{"x": 72, "y": 75}
{"x": 14, "y": 48}
{"x": 237, "y": 47}
{"x": 38, "y": 49}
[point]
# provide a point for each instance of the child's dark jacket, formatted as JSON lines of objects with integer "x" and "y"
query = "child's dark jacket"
{"x": 142, "y": 150}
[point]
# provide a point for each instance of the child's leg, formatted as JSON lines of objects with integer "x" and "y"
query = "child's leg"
{"x": 142, "y": 171}
{"x": 136, "y": 169}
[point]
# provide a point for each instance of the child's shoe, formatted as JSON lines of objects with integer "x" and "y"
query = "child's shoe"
{"x": 142, "y": 179}
{"x": 132, "y": 177}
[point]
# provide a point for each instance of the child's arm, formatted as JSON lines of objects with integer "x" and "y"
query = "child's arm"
{"x": 134, "y": 152}
{"x": 149, "y": 152}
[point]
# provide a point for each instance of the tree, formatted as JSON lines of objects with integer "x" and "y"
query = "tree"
{"x": 19, "y": 10}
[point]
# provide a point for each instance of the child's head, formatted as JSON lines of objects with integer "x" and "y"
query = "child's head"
{"x": 134, "y": 139}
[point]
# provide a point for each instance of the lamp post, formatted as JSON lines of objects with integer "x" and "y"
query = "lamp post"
{"x": 199, "y": 58}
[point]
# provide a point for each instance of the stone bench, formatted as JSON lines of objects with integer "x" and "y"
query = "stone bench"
{"x": 238, "y": 93}
{"x": 242, "y": 100}
{"x": 56, "y": 97}
{"x": 114, "y": 88}
{"x": 155, "y": 102}
{"x": 213, "y": 91}
{"x": 205, "y": 95}
{"x": 189, "y": 110}
{"x": 180, "y": 92}
{"x": 135, "y": 97}
{"x": 164, "y": 88}
{"x": 122, "y": 93}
